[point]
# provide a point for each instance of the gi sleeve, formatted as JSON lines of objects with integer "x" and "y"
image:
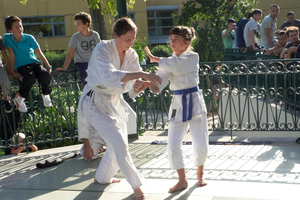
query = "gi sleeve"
{"x": 165, "y": 76}
{"x": 134, "y": 66}
{"x": 180, "y": 65}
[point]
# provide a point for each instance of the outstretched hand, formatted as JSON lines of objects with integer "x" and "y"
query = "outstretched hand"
{"x": 152, "y": 58}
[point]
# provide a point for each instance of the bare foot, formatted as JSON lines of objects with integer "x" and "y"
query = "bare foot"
{"x": 201, "y": 183}
{"x": 179, "y": 186}
{"x": 138, "y": 194}
{"x": 114, "y": 180}
{"x": 201, "y": 180}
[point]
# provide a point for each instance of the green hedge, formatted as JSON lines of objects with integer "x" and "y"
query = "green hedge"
{"x": 57, "y": 59}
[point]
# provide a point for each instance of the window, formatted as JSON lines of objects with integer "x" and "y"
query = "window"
{"x": 41, "y": 27}
{"x": 160, "y": 21}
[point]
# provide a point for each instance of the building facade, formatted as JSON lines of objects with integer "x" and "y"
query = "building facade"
{"x": 52, "y": 24}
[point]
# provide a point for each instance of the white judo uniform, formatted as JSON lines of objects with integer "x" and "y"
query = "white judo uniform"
{"x": 182, "y": 72}
{"x": 102, "y": 106}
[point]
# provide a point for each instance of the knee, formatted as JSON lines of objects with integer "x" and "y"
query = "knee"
{"x": 46, "y": 77}
{"x": 174, "y": 149}
{"x": 30, "y": 78}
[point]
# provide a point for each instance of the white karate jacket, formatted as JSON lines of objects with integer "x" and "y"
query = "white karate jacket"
{"x": 182, "y": 72}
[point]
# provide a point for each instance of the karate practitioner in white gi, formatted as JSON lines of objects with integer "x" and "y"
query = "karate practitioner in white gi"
{"x": 188, "y": 108}
{"x": 113, "y": 70}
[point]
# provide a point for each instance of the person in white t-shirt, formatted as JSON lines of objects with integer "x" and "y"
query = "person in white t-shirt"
{"x": 251, "y": 31}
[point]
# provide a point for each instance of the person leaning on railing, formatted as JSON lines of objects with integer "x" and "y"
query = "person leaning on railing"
{"x": 280, "y": 44}
{"x": 251, "y": 31}
{"x": 292, "y": 34}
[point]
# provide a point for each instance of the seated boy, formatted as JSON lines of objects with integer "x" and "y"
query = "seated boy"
{"x": 4, "y": 82}
{"x": 21, "y": 48}
{"x": 280, "y": 44}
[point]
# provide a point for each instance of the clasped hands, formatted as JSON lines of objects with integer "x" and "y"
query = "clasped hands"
{"x": 140, "y": 85}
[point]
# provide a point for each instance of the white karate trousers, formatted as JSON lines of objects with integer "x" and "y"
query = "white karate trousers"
{"x": 199, "y": 132}
{"x": 96, "y": 142}
{"x": 117, "y": 154}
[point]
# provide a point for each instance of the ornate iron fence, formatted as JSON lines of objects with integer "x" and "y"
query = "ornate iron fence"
{"x": 44, "y": 125}
{"x": 257, "y": 95}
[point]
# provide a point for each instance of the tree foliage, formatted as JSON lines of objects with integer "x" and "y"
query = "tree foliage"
{"x": 214, "y": 14}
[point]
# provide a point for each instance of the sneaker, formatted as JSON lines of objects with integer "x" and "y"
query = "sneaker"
{"x": 47, "y": 100}
{"x": 7, "y": 105}
{"x": 20, "y": 104}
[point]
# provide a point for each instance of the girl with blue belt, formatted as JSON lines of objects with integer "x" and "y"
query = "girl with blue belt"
{"x": 188, "y": 108}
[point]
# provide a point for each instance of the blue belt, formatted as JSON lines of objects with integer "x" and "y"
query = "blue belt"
{"x": 184, "y": 92}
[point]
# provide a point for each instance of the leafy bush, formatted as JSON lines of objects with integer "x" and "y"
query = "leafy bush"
{"x": 162, "y": 51}
{"x": 57, "y": 59}
{"x": 139, "y": 46}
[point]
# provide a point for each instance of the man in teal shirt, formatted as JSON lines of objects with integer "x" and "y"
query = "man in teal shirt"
{"x": 229, "y": 34}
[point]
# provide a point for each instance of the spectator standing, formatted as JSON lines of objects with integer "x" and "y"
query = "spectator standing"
{"x": 290, "y": 49}
{"x": 251, "y": 31}
{"x": 229, "y": 34}
{"x": 268, "y": 27}
{"x": 280, "y": 44}
{"x": 82, "y": 44}
{"x": 21, "y": 48}
{"x": 4, "y": 81}
{"x": 239, "y": 36}
{"x": 292, "y": 21}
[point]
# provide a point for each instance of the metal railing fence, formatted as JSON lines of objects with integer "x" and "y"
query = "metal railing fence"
{"x": 256, "y": 95}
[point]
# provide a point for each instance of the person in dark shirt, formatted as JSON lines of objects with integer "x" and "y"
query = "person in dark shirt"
{"x": 292, "y": 21}
{"x": 289, "y": 50}
{"x": 240, "y": 32}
